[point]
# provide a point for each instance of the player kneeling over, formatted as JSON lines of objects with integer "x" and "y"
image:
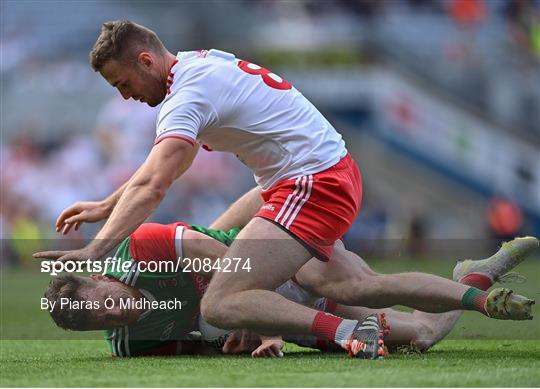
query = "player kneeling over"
{"x": 138, "y": 311}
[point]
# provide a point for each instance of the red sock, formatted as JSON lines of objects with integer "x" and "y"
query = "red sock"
{"x": 325, "y": 326}
{"x": 480, "y": 281}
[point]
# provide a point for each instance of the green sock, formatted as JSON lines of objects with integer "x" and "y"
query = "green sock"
{"x": 474, "y": 300}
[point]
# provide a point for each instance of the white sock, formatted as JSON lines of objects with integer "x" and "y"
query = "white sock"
{"x": 344, "y": 331}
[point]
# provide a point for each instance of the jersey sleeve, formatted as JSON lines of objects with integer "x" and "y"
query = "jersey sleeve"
{"x": 121, "y": 345}
{"x": 183, "y": 115}
{"x": 154, "y": 242}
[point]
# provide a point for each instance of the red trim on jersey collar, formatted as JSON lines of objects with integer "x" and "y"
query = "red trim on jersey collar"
{"x": 170, "y": 77}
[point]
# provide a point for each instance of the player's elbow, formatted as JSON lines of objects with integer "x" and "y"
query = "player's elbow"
{"x": 157, "y": 185}
{"x": 155, "y": 192}
{"x": 158, "y": 188}
{"x": 148, "y": 192}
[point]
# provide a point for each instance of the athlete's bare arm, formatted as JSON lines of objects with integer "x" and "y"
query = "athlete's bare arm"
{"x": 241, "y": 211}
{"x": 88, "y": 211}
{"x": 167, "y": 161}
{"x": 259, "y": 346}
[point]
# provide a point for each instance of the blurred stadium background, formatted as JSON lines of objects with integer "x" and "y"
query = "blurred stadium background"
{"x": 439, "y": 101}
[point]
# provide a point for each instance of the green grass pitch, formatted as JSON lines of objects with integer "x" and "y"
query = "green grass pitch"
{"x": 479, "y": 352}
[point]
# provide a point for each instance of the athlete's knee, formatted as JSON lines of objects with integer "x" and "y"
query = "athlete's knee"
{"x": 217, "y": 311}
{"x": 210, "y": 309}
{"x": 314, "y": 282}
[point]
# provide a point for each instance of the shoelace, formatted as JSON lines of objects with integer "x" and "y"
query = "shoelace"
{"x": 385, "y": 327}
{"x": 354, "y": 346}
{"x": 512, "y": 277}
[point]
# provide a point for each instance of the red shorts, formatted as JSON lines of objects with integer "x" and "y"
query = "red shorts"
{"x": 319, "y": 208}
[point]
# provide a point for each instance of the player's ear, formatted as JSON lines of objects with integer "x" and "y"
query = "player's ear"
{"x": 145, "y": 59}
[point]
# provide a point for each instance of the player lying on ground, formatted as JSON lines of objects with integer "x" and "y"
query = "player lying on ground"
{"x": 312, "y": 186}
{"x": 134, "y": 332}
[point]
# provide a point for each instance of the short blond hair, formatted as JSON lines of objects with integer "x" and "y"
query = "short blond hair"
{"x": 122, "y": 39}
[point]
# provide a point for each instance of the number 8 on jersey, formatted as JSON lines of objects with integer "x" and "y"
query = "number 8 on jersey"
{"x": 269, "y": 78}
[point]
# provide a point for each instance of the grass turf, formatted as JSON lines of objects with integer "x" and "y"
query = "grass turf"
{"x": 479, "y": 352}
{"x": 452, "y": 363}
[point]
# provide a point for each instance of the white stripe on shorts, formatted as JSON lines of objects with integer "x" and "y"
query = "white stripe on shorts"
{"x": 295, "y": 201}
{"x": 301, "y": 194}
{"x": 284, "y": 207}
{"x": 302, "y": 202}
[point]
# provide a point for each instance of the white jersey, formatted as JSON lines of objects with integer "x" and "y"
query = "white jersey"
{"x": 230, "y": 105}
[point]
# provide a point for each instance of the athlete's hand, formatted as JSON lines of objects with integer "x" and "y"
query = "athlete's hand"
{"x": 249, "y": 342}
{"x": 82, "y": 212}
{"x": 69, "y": 255}
{"x": 271, "y": 346}
{"x": 242, "y": 341}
